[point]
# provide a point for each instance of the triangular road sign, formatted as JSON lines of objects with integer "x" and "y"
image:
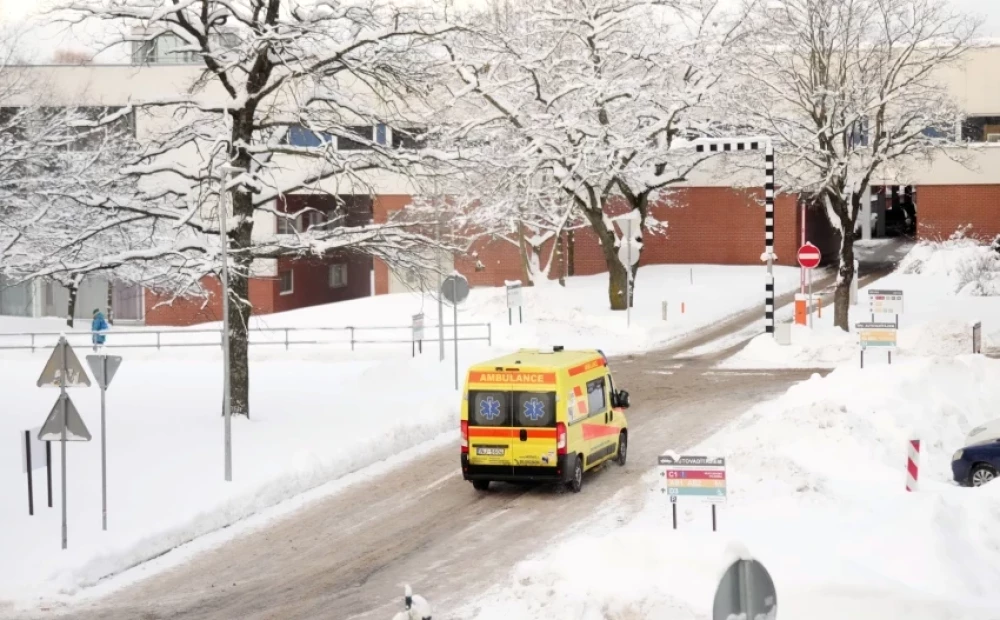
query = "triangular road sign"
{"x": 76, "y": 430}
{"x": 98, "y": 363}
{"x": 52, "y": 373}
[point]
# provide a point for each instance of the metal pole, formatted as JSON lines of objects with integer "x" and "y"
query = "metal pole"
{"x": 454, "y": 306}
{"x": 628, "y": 279}
{"x": 104, "y": 455}
{"x": 226, "y": 400}
{"x": 440, "y": 300}
{"x": 27, "y": 456}
{"x": 64, "y": 400}
{"x": 810, "y": 297}
{"x": 48, "y": 468}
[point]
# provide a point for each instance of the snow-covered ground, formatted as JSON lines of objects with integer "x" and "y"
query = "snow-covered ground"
{"x": 945, "y": 289}
{"x": 816, "y": 483}
{"x": 318, "y": 412}
{"x": 816, "y": 493}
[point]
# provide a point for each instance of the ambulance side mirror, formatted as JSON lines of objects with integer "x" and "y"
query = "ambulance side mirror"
{"x": 622, "y": 399}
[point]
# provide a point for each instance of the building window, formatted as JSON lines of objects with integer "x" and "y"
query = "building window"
{"x": 981, "y": 129}
{"x": 363, "y": 132}
{"x": 338, "y": 276}
{"x": 381, "y": 134}
{"x": 300, "y": 136}
{"x": 311, "y": 219}
{"x": 410, "y": 138}
{"x": 287, "y": 225}
{"x": 285, "y": 282}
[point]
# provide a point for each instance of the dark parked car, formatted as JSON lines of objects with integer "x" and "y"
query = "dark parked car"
{"x": 977, "y": 464}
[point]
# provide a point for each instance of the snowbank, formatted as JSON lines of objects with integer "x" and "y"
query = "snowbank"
{"x": 816, "y": 493}
{"x": 319, "y": 412}
{"x": 973, "y": 268}
{"x": 941, "y": 306}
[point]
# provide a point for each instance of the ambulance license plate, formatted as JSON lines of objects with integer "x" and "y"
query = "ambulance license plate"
{"x": 490, "y": 450}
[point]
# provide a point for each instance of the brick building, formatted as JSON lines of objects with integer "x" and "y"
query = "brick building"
{"x": 716, "y": 217}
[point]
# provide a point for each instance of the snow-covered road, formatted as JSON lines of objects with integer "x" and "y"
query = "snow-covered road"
{"x": 346, "y": 556}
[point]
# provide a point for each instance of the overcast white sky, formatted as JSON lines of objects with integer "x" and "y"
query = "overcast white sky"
{"x": 41, "y": 44}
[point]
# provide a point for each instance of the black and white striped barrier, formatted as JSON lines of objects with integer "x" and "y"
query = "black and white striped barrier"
{"x": 722, "y": 145}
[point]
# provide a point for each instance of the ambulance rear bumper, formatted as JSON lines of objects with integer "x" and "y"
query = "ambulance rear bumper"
{"x": 561, "y": 472}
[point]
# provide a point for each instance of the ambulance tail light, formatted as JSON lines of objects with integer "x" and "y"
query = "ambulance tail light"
{"x": 560, "y": 438}
{"x": 465, "y": 436}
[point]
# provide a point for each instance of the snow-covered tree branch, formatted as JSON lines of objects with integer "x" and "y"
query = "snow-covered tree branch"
{"x": 593, "y": 101}
{"x": 846, "y": 88}
{"x": 301, "y": 98}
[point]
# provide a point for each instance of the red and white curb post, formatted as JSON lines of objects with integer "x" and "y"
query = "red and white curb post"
{"x": 912, "y": 464}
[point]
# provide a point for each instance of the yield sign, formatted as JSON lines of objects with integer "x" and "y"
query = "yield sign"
{"x": 809, "y": 256}
{"x": 63, "y": 361}
{"x": 52, "y": 430}
{"x": 101, "y": 363}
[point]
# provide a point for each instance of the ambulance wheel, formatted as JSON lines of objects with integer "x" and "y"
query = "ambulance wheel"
{"x": 576, "y": 483}
{"x": 622, "y": 448}
{"x": 481, "y": 485}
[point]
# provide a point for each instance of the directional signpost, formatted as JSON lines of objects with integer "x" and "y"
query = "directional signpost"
{"x": 877, "y": 336}
{"x": 455, "y": 289}
{"x": 809, "y": 258}
{"x": 698, "y": 478}
{"x": 417, "y": 336}
{"x": 885, "y": 302}
{"x": 63, "y": 370}
{"x": 514, "y": 301}
{"x": 104, "y": 368}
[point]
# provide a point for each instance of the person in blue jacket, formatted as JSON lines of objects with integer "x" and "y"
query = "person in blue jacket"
{"x": 97, "y": 326}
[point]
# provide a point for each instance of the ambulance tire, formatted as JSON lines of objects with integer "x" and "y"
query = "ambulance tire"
{"x": 622, "y": 448}
{"x": 481, "y": 485}
{"x": 576, "y": 482}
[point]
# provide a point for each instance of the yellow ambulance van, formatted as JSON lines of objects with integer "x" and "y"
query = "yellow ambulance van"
{"x": 541, "y": 416}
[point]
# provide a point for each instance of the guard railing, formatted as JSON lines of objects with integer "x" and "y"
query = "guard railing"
{"x": 351, "y": 336}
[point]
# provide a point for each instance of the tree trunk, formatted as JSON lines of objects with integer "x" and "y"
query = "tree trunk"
{"x": 71, "y": 309}
{"x": 526, "y": 279}
{"x": 846, "y": 275}
{"x": 560, "y": 258}
{"x": 240, "y": 307}
{"x": 111, "y": 302}
{"x": 617, "y": 275}
{"x": 570, "y": 254}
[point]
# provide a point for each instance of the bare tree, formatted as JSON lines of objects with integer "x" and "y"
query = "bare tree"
{"x": 846, "y": 87}
{"x": 595, "y": 98}
{"x": 298, "y": 97}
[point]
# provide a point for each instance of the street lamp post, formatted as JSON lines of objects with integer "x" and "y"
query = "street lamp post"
{"x": 225, "y": 171}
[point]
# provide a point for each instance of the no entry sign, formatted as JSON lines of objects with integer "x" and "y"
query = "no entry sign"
{"x": 809, "y": 256}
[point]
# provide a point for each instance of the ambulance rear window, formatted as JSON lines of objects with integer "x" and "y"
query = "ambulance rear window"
{"x": 535, "y": 408}
{"x": 489, "y": 409}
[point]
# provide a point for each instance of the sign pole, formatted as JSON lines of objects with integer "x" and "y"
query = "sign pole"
{"x": 104, "y": 453}
{"x": 27, "y": 456}
{"x": 454, "y": 305}
{"x": 64, "y": 398}
{"x": 810, "y": 275}
{"x": 48, "y": 468}
{"x": 674, "y": 506}
{"x": 713, "y": 517}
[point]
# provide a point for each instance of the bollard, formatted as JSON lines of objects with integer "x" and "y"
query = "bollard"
{"x": 801, "y": 316}
{"x": 819, "y": 307}
{"x": 664, "y": 311}
{"x": 912, "y": 464}
{"x": 682, "y": 307}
